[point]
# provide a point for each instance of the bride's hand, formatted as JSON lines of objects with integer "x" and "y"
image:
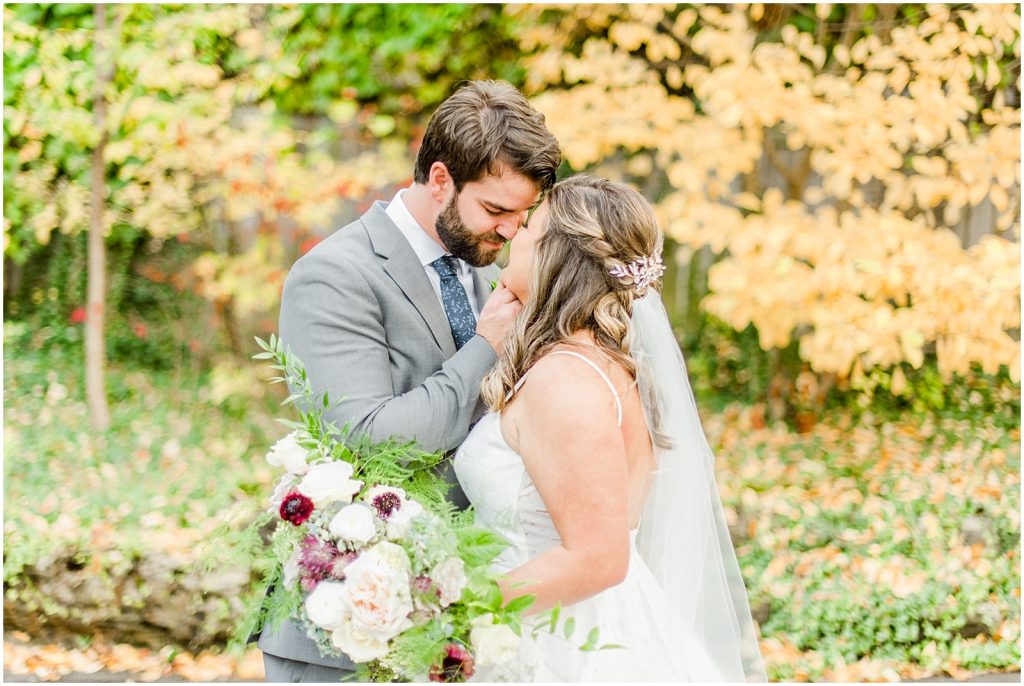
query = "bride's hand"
{"x": 497, "y": 315}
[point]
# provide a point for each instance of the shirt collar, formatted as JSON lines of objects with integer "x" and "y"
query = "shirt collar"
{"x": 425, "y": 247}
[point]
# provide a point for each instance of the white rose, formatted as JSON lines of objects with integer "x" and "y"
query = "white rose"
{"x": 401, "y": 519}
{"x": 327, "y": 482}
{"x": 327, "y": 605}
{"x": 354, "y": 523}
{"x": 389, "y": 554}
{"x": 450, "y": 577}
{"x": 283, "y": 487}
{"x": 377, "y": 592}
{"x": 289, "y": 454}
{"x": 493, "y": 644}
{"x": 358, "y": 644}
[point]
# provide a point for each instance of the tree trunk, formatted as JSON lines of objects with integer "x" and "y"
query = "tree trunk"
{"x": 226, "y": 309}
{"x": 12, "y": 282}
{"x": 95, "y": 348}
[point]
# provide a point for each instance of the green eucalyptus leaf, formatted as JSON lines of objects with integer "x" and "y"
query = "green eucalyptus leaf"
{"x": 521, "y": 603}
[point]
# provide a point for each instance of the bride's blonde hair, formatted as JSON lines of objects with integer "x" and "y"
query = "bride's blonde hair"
{"x": 594, "y": 226}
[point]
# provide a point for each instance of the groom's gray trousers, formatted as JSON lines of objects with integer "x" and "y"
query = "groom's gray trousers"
{"x": 360, "y": 313}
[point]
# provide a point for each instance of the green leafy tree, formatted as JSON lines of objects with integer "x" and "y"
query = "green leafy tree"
{"x": 234, "y": 134}
{"x": 402, "y": 59}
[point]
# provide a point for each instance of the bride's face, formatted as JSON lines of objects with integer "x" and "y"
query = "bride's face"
{"x": 516, "y": 275}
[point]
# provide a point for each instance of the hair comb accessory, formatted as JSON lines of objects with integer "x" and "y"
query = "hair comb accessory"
{"x": 642, "y": 271}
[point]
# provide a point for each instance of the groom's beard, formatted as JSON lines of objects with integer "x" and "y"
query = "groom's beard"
{"x": 460, "y": 241}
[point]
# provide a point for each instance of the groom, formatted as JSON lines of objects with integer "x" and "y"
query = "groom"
{"x": 394, "y": 314}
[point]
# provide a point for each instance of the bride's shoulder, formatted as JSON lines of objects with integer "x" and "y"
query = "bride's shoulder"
{"x": 564, "y": 360}
{"x": 564, "y": 404}
{"x": 584, "y": 356}
{"x": 562, "y": 384}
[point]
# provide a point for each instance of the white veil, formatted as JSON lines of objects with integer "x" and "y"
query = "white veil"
{"x": 683, "y": 536}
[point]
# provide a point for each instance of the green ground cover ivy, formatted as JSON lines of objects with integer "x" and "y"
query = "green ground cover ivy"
{"x": 866, "y": 544}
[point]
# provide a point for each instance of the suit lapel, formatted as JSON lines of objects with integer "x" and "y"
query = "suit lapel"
{"x": 402, "y": 265}
{"x": 482, "y": 283}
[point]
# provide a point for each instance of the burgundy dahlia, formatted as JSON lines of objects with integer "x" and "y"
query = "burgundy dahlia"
{"x": 456, "y": 666}
{"x": 296, "y": 508}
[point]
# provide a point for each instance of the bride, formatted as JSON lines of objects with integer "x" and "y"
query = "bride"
{"x": 592, "y": 461}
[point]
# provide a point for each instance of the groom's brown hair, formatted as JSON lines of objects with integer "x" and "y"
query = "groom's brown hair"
{"x": 483, "y": 126}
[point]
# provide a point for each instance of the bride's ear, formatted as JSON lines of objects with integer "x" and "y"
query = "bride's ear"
{"x": 440, "y": 183}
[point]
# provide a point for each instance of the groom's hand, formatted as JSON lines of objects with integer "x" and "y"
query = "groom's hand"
{"x": 497, "y": 315}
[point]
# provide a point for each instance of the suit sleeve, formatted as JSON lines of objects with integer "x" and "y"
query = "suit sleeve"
{"x": 334, "y": 325}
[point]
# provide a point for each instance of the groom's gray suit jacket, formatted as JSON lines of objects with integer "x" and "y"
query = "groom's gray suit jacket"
{"x": 360, "y": 313}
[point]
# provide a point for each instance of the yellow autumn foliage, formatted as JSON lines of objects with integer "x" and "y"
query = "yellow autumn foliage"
{"x": 881, "y": 137}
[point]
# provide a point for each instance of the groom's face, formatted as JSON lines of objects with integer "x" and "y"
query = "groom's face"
{"x": 478, "y": 220}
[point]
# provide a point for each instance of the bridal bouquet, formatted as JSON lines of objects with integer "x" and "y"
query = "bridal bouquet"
{"x": 371, "y": 560}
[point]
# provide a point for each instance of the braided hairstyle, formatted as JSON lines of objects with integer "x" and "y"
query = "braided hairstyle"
{"x": 594, "y": 226}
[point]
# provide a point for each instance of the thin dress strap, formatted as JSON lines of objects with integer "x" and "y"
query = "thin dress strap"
{"x": 615, "y": 394}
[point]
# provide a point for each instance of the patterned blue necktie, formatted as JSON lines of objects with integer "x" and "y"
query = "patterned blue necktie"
{"x": 455, "y": 301}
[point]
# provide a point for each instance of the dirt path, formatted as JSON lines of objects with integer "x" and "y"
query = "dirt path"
{"x": 105, "y": 677}
{"x": 26, "y": 661}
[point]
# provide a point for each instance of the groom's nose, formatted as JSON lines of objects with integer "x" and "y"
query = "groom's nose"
{"x": 508, "y": 227}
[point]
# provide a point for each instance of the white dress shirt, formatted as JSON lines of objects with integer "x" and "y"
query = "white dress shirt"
{"x": 428, "y": 250}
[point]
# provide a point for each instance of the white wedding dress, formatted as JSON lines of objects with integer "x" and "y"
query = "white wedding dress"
{"x": 635, "y": 614}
